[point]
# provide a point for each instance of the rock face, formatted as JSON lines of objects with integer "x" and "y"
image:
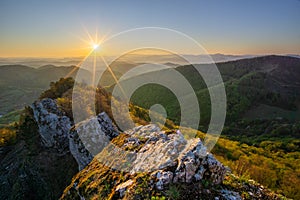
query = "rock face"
{"x": 151, "y": 150}
{"x": 163, "y": 158}
{"x": 53, "y": 125}
{"x": 161, "y": 152}
{"x": 83, "y": 140}
{"x": 89, "y": 137}
{"x": 147, "y": 149}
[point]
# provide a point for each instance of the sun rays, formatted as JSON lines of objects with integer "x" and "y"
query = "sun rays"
{"x": 95, "y": 50}
{"x": 91, "y": 45}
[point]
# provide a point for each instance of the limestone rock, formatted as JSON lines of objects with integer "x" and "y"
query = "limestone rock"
{"x": 89, "y": 137}
{"x": 53, "y": 125}
{"x": 84, "y": 140}
{"x": 230, "y": 195}
{"x": 162, "y": 152}
{"x": 146, "y": 161}
{"x": 122, "y": 187}
{"x": 168, "y": 157}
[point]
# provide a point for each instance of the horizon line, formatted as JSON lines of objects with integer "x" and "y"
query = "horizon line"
{"x": 211, "y": 54}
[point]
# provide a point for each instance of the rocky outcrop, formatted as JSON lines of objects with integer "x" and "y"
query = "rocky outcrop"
{"x": 53, "y": 125}
{"x": 83, "y": 140}
{"x": 141, "y": 163}
{"x": 89, "y": 137}
{"x": 157, "y": 152}
{"x": 161, "y": 152}
{"x": 164, "y": 159}
{"x": 29, "y": 169}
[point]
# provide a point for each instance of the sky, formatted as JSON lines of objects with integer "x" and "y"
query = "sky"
{"x": 58, "y": 28}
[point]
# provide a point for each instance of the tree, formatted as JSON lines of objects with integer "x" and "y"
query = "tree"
{"x": 57, "y": 89}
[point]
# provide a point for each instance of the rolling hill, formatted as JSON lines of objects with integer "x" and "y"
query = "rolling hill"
{"x": 258, "y": 89}
{"x": 20, "y": 84}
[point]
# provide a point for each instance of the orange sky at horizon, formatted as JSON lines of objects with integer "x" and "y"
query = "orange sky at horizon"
{"x": 80, "y": 49}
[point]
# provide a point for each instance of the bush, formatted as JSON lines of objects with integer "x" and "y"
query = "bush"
{"x": 8, "y": 136}
{"x": 57, "y": 89}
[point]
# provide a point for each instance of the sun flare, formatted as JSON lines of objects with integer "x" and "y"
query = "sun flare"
{"x": 92, "y": 42}
{"x": 95, "y": 46}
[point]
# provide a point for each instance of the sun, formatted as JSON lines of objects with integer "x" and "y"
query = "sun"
{"x": 95, "y": 46}
{"x": 92, "y": 43}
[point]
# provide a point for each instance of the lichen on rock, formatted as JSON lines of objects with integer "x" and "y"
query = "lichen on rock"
{"x": 88, "y": 138}
{"x": 162, "y": 158}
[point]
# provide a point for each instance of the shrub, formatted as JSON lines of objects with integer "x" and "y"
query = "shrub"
{"x": 8, "y": 136}
{"x": 57, "y": 89}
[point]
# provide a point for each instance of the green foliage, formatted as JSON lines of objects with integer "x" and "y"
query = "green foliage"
{"x": 63, "y": 92}
{"x": 57, "y": 89}
{"x": 65, "y": 105}
{"x": 245, "y": 84}
{"x": 268, "y": 164}
{"x": 244, "y": 186}
{"x": 158, "y": 198}
{"x": 151, "y": 94}
{"x": 253, "y": 132}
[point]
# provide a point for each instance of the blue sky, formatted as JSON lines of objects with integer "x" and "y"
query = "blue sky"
{"x": 50, "y": 28}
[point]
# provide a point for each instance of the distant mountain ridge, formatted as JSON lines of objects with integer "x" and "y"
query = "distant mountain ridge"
{"x": 20, "y": 84}
{"x": 38, "y": 62}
